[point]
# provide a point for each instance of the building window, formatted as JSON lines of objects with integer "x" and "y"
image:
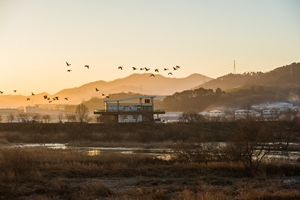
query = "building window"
{"x": 147, "y": 100}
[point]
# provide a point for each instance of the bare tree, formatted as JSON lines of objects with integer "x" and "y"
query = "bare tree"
{"x": 36, "y": 117}
{"x": 82, "y": 112}
{"x": 250, "y": 143}
{"x": 46, "y": 118}
{"x": 10, "y": 118}
{"x": 71, "y": 117}
{"x": 24, "y": 117}
{"x": 60, "y": 117}
{"x": 192, "y": 116}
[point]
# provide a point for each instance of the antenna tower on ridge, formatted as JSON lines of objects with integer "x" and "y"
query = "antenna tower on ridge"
{"x": 234, "y": 70}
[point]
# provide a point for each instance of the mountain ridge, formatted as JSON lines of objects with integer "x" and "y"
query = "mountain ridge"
{"x": 135, "y": 83}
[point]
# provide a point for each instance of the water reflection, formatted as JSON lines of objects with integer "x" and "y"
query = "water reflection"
{"x": 160, "y": 153}
{"x": 93, "y": 152}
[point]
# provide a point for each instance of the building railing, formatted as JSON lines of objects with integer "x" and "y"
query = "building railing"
{"x": 133, "y": 111}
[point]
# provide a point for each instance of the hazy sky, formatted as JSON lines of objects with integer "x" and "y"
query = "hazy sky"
{"x": 37, "y": 37}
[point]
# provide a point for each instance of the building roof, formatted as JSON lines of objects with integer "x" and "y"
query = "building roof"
{"x": 130, "y": 98}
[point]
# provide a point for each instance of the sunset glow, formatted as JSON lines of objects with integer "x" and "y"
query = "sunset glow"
{"x": 37, "y": 38}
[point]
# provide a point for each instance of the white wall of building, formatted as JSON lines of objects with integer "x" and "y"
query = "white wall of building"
{"x": 129, "y": 118}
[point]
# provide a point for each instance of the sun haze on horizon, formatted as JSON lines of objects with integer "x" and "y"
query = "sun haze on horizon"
{"x": 39, "y": 38}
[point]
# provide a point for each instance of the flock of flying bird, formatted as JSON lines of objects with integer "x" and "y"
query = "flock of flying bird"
{"x": 155, "y": 70}
{"x": 50, "y": 99}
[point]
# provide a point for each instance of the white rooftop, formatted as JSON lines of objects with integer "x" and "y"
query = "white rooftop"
{"x": 130, "y": 98}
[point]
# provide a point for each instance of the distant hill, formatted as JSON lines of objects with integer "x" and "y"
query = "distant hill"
{"x": 286, "y": 76}
{"x": 135, "y": 83}
{"x": 235, "y": 91}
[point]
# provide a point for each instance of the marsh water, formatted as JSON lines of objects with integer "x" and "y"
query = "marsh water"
{"x": 162, "y": 153}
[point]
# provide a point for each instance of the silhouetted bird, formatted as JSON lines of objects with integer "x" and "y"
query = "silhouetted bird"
{"x": 96, "y": 89}
{"x": 28, "y": 99}
{"x": 134, "y": 68}
{"x": 170, "y": 73}
{"x": 53, "y": 99}
{"x": 1, "y": 92}
{"x": 120, "y": 67}
{"x": 178, "y": 67}
{"x": 32, "y": 93}
{"x": 50, "y": 101}
{"x": 15, "y": 90}
{"x": 103, "y": 94}
{"x": 141, "y": 68}
{"x": 174, "y": 68}
{"x": 107, "y": 97}
{"x": 45, "y": 97}
{"x": 156, "y": 70}
{"x": 87, "y": 66}
{"x": 56, "y": 98}
{"x": 166, "y": 69}
{"x": 66, "y": 98}
{"x": 147, "y": 69}
{"x": 152, "y": 75}
{"x": 68, "y": 64}
{"x": 69, "y": 70}
{"x": 48, "y": 98}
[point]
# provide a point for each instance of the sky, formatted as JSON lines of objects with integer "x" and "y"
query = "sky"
{"x": 38, "y": 37}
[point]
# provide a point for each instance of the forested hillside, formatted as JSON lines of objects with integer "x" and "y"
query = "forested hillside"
{"x": 286, "y": 76}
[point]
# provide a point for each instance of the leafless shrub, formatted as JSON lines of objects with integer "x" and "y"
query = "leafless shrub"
{"x": 46, "y": 118}
{"x": 36, "y": 117}
{"x": 24, "y": 117}
{"x": 192, "y": 116}
{"x": 199, "y": 152}
{"x": 10, "y": 118}
{"x": 16, "y": 168}
{"x": 71, "y": 117}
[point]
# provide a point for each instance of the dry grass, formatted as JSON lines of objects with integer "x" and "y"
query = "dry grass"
{"x": 39, "y": 173}
{"x": 42, "y": 174}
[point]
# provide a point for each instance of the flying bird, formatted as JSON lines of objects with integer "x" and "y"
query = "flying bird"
{"x": 147, "y": 69}
{"x": 174, "y": 68}
{"x": 134, "y": 68}
{"x": 178, "y": 67}
{"x": 156, "y": 70}
{"x": 166, "y": 69}
{"x": 141, "y": 68}
{"x": 120, "y": 67}
{"x": 68, "y": 64}
{"x": 28, "y": 99}
{"x": 103, "y": 94}
{"x": 50, "y": 101}
{"x": 66, "y": 98}
{"x": 96, "y": 89}
{"x": 15, "y": 90}
{"x": 107, "y": 97}
{"x": 56, "y": 98}
{"x": 170, "y": 73}
{"x": 87, "y": 66}
{"x": 45, "y": 97}
{"x": 152, "y": 75}
{"x": 32, "y": 93}
{"x": 1, "y": 92}
{"x": 69, "y": 70}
